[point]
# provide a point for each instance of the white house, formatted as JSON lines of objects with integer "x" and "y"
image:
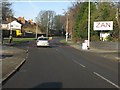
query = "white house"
{"x": 14, "y": 25}
{"x": 4, "y": 26}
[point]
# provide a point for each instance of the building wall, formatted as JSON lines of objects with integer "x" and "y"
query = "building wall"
{"x": 4, "y": 26}
{"x": 14, "y": 25}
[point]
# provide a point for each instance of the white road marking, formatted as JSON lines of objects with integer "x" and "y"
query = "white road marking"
{"x": 96, "y": 73}
{"x": 78, "y": 63}
{"x": 107, "y": 80}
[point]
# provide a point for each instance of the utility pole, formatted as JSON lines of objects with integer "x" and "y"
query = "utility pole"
{"x": 47, "y": 24}
{"x": 88, "y": 43}
{"x": 47, "y": 30}
{"x": 36, "y": 30}
{"x": 37, "y": 24}
{"x": 66, "y": 26}
{"x": 10, "y": 37}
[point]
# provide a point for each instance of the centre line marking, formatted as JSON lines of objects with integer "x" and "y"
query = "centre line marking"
{"x": 107, "y": 80}
{"x": 78, "y": 63}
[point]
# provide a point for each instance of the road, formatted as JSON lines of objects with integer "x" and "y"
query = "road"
{"x": 62, "y": 66}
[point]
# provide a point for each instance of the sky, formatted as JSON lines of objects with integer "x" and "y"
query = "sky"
{"x": 30, "y": 9}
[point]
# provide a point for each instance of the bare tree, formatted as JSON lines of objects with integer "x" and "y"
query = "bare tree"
{"x": 45, "y": 20}
{"x": 59, "y": 22}
{"x": 118, "y": 15}
{"x": 73, "y": 12}
{"x": 6, "y": 10}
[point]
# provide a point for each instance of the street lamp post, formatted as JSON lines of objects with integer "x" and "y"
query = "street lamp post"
{"x": 47, "y": 29}
{"x": 66, "y": 26}
{"x": 36, "y": 30}
{"x": 10, "y": 31}
{"x": 88, "y": 43}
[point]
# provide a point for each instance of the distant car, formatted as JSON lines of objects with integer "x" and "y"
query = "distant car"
{"x": 43, "y": 41}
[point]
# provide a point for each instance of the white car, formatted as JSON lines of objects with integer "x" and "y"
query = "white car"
{"x": 43, "y": 41}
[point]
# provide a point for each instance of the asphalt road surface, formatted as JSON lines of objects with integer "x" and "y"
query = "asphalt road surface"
{"x": 62, "y": 66}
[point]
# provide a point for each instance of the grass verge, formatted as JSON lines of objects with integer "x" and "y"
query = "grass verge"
{"x": 63, "y": 41}
{"x": 18, "y": 40}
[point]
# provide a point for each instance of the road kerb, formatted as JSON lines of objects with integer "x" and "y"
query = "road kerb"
{"x": 14, "y": 70}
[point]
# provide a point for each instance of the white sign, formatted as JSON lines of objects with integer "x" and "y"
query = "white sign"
{"x": 103, "y": 25}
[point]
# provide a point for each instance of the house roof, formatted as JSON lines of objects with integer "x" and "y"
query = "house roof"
{"x": 21, "y": 19}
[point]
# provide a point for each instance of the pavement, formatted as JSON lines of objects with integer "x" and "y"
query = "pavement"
{"x": 110, "y": 54}
{"x": 13, "y": 57}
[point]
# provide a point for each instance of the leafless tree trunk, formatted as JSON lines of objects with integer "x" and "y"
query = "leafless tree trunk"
{"x": 45, "y": 20}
